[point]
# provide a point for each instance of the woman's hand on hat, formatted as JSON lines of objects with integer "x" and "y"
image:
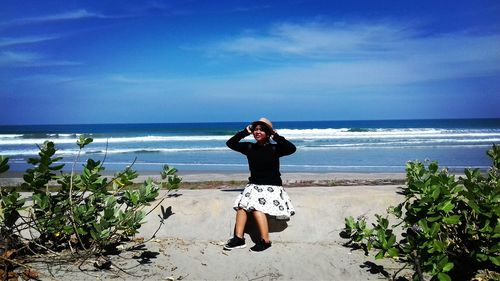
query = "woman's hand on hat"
{"x": 274, "y": 133}
{"x": 249, "y": 128}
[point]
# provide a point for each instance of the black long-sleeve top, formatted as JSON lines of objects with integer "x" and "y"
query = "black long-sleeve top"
{"x": 263, "y": 160}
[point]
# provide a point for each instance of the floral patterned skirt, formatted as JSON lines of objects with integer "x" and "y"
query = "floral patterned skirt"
{"x": 269, "y": 199}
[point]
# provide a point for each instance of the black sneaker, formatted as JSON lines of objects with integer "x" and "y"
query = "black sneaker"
{"x": 260, "y": 246}
{"x": 235, "y": 243}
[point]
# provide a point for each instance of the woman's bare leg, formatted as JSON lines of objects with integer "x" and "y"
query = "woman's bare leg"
{"x": 261, "y": 220}
{"x": 241, "y": 221}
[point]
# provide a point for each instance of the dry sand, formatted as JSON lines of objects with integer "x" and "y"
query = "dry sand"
{"x": 308, "y": 247}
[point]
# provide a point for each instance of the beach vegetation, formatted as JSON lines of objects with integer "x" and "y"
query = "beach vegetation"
{"x": 446, "y": 228}
{"x": 85, "y": 217}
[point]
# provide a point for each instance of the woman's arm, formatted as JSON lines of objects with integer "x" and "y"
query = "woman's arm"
{"x": 283, "y": 146}
{"x": 235, "y": 144}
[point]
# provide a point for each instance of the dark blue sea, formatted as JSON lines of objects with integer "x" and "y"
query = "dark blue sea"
{"x": 322, "y": 146}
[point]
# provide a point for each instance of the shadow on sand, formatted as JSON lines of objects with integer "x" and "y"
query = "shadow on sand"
{"x": 274, "y": 224}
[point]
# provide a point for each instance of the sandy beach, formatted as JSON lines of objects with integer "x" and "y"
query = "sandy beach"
{"x": 198, "y": 222}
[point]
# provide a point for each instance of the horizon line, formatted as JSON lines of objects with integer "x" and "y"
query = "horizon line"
{"x": 229, "y": 122}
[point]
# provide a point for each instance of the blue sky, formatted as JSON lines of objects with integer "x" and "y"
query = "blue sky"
{"x": 210, "y": 61}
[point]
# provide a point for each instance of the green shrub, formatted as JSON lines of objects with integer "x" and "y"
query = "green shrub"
{"x": 10, "y": 202}
{"x": 450, "y": 227}
{"x": 87, "y": 213}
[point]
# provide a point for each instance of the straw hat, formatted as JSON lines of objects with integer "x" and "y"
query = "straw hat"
{"x": 265, "y": 122}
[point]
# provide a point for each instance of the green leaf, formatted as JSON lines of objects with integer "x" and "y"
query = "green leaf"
{"x": 94, "y": 235}
{"x": 448, "y": 267}
{"x": 423, "y": 223}
{"x": 468, "y": 173}
{"x": 447, "y": 206}
{"x": 105, "y": 234}
{"x": 486, "y": 228}
{"x": 349, "y": 222}
{"x": 391, "y": 240}
{"x": 384, "y": 222}
{"x": 4, "y": 164}
{"x": 433, "y": 219}
{"x": 380, "y": 255}
{"x": 68, "y": 229}
{"x": 397, "y": 210}
{"x": 438, "y": 246}
{"x": 381, "y": 238}
{"x": 443, "y": 261}
{"x": 495, "y": 260}
{"x": 83, "y": 141}
{"x": 81, "y": 231}
{"x": 393, "y": 252}
{"x": 433, "y": 167}
{"x": 435, "y": 227}
{"x": 474, "y": 206}
{"x": 57, "y": 168}
{"x": 443, "y": 277}
{"x": 452, "y": 219}
{"x": 168, "y": 171}
{"x": 3, "y": 160}
{"x": 41, "y": 200}
{"x": 481, "y": 257}
{"x": 436, "y": 192}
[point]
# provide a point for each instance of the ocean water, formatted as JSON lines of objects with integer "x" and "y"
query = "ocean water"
{"x": 322, "y": 146}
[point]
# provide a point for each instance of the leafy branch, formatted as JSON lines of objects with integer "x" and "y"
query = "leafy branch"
{"x": 86, "y": 215}
{"x": 450, "y": 227}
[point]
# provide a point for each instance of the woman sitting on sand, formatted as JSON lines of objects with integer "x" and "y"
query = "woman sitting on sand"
{"x": 264, "y": 193}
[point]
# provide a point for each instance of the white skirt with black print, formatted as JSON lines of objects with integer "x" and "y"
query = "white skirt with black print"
{"x": 269, "y": 199}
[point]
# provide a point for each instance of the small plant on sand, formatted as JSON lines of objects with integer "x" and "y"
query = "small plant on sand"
{"x": 87, "y": 214}
{"x": 450, "y": 228}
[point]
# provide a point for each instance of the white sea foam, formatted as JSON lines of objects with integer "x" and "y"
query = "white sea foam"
{"x": 14, "y": 152}
{"x": 19, "y": 152}
{"x": 313, "y": 134}
{"x": 301, "y": 135}
{"x": 10, "y": 136}
{"x": 404, "y": 142}
{"x": 305, "y": 139}
{"x": 158, "y": 150}
{"x": 20, "y": 141}
{"x": 391, "y": 147}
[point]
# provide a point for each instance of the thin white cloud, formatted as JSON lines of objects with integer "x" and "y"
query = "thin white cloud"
{"x": 30, "y": 59}
{"x": 316, "y": 40}
{"x": 65, "y": 16}
{"x": 122, "y": 79}
{"x": 372, "y": 49}
{"x": 7, "y": 58}
{"x": 7, "y": 42}
{"x": 72, "y": 15}
{"x": 250, "y": 8}
{"x": 47, "y": 79}
{"x": 320, "y": 59}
